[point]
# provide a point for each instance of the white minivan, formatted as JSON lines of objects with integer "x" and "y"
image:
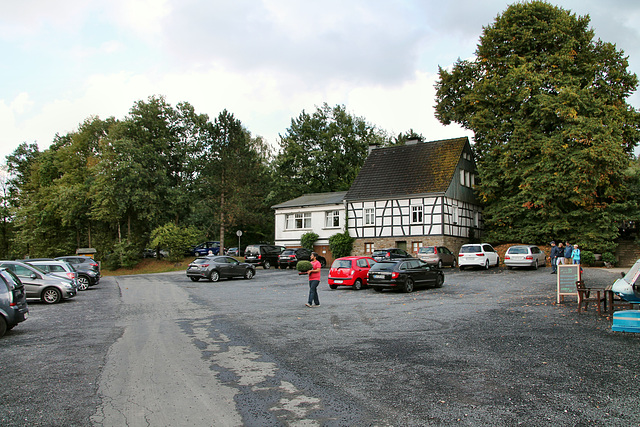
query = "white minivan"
{"x": 477, "y": 255}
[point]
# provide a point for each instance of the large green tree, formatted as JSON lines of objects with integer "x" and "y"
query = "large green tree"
{"x": 553, "y": 130}
{"x": 323, "y": 152}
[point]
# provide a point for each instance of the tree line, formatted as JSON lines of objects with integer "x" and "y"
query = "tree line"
{"x": 112, "y": 183}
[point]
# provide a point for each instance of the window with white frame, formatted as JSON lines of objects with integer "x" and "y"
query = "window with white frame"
{"x": 298, "y": 221}
{"x": 332, "y": 219}
{"x": 416, "y": 214}
{"x": 369, "y": 216}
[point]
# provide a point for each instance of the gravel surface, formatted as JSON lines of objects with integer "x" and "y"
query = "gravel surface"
{"x": 488, "y": 348}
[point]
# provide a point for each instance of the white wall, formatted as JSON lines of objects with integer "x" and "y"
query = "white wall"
{"x": 292, "y": 237}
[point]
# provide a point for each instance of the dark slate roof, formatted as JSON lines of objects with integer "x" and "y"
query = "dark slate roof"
{"x": 403, "y": 170}
{"x": 314, "y": 199}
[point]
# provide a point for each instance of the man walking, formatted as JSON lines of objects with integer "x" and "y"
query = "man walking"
{"x": 314, "y": 280}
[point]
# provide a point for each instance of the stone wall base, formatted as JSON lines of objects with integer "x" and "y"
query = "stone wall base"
{"x": 406, "y": 243}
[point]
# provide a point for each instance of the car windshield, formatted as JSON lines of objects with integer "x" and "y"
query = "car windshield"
{"x": 518, "y": 250}
{"x": 341, "y": 263}
{"x": 383, "y": 266}
{"x": 11, "y": 279}
{"x": 201, "y": 261}
{"x": 429, "y": 250}
{"x": 379, "y": 253}
{"x": 288, "y": 252}
{"x": 470, "y": 249}
{"x": 252, "y": 250}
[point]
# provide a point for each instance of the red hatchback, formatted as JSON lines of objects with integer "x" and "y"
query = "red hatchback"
{"x": 350, "y": 271}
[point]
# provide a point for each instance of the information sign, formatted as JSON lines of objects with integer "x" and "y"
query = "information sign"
{"x": 568, "y": 275}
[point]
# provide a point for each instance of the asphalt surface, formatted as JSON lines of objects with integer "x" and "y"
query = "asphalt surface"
{"x": 488, "y": 348}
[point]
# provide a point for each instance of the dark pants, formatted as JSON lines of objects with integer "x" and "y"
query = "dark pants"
{"x": 313, "y": 292}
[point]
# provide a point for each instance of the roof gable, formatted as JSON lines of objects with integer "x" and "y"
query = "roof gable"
{"x": 401, "y": 170}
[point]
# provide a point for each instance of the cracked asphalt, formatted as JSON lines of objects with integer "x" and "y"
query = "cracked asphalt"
{"x": 488, "y": 348}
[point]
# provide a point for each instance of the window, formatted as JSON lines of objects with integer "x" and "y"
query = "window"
{"x": 362, "y": 263}
{"x": 416, "y": 214}
{"x": 299, "y": 220}
{"x": 369, "y": 216}
{"x": 455, "y": 215}
{"x": 332, "y": 219}
{"x": 368, "y": 248}
{"x": 415, "y": 247}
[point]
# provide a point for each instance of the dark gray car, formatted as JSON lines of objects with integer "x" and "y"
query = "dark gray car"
{"x": 215, "y": 267}
{"x": 13, "y": 301}
{"x": 38, "y": 284}
{"x": 87, "y": 268}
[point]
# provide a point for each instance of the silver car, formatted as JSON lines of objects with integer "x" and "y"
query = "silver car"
{"x": 60, "y": 268}
{"x": 529, "y": 256}
{"x": 38, "y": 284}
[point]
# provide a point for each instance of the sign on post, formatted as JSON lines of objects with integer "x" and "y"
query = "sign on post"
{"x": 568, "y": 275}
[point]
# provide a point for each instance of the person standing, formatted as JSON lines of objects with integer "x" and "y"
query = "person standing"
{"x": 567, "y": 253}
{"x": 553, "y": 257}
{"x": 575, "y": 254}
{"x": 314, "y": 280}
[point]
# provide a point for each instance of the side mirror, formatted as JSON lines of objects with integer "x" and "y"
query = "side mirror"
{"x": 34, "y": 276}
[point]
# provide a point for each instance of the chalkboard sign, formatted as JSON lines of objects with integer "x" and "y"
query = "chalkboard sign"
{"x": 568, "y": 275}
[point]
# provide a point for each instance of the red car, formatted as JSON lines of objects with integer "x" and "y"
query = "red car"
{"x": 350, "y": 271}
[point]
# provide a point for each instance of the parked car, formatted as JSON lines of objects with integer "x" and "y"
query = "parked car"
{"x": 525, "y": 256}
{"x": 404, "y": 274}
{"x": 437, "y": 255}
{"x": 477, "y": 255}
{"x": 390, "y": 253}
{"x": 38, "y": 284}
{"x": 350, "y": 271}
{"x": 264, "y": 255}
{"x": 59, "y": 268}
{"x": 215, "y": 267}
{"x": 233, "y": 251}
{"x": 203, "y": 249}
{"x": 13, "y": 301}
{"x": 290, "y": 257}
{"x": 152, "y": 253}
{"x": 87, "y": 268}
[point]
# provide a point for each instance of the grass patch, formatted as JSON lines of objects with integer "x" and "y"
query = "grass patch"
{"x": 150, "y": 266}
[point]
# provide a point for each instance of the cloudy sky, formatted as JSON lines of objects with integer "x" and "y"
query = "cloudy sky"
{"x": 263, "y": 60}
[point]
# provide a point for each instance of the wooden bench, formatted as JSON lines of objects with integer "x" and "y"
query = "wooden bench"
{"x": 615, "y": 301}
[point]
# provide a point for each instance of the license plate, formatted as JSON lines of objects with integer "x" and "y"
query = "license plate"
{"x": 337, "y": 281}
{"x": 378, "y": 276}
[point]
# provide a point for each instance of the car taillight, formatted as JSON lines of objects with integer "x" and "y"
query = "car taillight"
{"x": 395, "y": 275}
{"x": 460, "y": 254}
{"x": 71, "y": 276}
{"x": 529, "y": 257}
{"x": 480, "y": 254}
{"x": 507, "y": 257}
{"x": 204, "y": 265}
{"x": 435, "y": 250}
{"x": 259, "y": 256}
{"x": 388, "y": 255}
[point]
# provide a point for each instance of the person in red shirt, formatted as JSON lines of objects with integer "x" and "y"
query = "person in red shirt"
{"x": 314, "y": 280}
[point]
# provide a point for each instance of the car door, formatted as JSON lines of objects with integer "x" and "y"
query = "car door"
{"x": 235, "y": 268}
{"x": 33, "y": 285}
{"x": 222, "y": 265}
{"x": 447, "y": 256}
{"x": 491, "y": 254}
{"x": 414, "y": 270}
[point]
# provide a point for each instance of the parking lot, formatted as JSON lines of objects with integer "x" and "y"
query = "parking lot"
{"x": 488, "y": 348}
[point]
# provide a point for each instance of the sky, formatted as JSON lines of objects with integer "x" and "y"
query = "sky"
{"x": 265, "y": 61}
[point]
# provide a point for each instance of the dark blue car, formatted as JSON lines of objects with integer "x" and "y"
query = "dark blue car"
{"x": 203, "y": 249}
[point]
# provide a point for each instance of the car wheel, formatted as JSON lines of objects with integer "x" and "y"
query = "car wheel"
{"x": 439, "y": 263}
{"x": 51, "y": 295}
{"x": 440, "y": 281}
{"x": 535, "y": 266}
{"x": 486, "y": 265}
{"x": 266, "y": 265}
{"x": 83, "y": 283}
{"x": 3, "y": 326}
{"x": 498, "y": 262}
{"x": 357, "y": 285}
{"x": 408, "y": 286}
{"x": 248, "y": 274}
{"x": 194, "y": 279}
{"x": 377, "y": 288}
{"x": 214, "y": 276}
{"x": 333, "y": 286}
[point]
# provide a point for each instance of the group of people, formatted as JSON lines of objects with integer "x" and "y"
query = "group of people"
{"x": 563, "y": 254}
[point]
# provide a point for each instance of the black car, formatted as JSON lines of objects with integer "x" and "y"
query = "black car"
{"x": 390, "y": 253}
{"x": 290, "y": 257}
{"x": 13, "y": 301}
{"x": 264, "y": 255}
{"x": 87, "y": 268}
{"x": 404, "y": 274}
{"x": 215, "y": 267}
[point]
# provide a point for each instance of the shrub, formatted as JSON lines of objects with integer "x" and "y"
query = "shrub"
{"x": 304, "y": 266}
{"x": 341, "y": 244}
{"x": 610, "y": 258}
{"x": 308, "y": 239}
{"x": 587, "y": 257}
{"x": 125, "y": 254}
{"x": 174, "y": 239}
